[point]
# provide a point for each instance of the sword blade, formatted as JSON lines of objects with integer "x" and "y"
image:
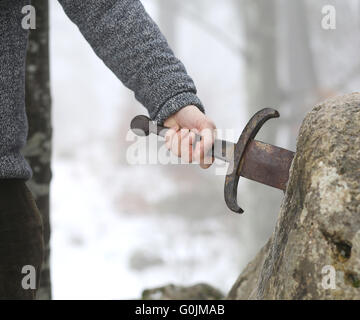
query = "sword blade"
{"x": 262, "y": 162}
{"x": 266, "y": 164}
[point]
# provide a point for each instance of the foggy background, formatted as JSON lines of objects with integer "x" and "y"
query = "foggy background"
{"x": 118, "y": 228}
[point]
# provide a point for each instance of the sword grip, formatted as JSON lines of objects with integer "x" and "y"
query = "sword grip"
{"x": 143, "y": 126}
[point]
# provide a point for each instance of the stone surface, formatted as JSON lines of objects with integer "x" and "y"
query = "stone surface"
{"x": 199, "y": 291}
{"x": 245, "y": 286}
{"x": 318, "y": 229}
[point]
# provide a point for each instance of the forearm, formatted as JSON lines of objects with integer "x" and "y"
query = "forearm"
{"x": 128, "y": 41}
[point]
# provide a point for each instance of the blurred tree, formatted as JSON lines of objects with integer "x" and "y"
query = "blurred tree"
{"x": 196, "y": 14}
{"x": 167, "y": 20}
{"x": 259, "y": 23}
{"x": 301, "y": 75}
{"x": 38, "y": 108}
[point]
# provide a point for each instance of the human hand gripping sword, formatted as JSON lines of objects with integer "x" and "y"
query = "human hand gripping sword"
{"x": 249, "y": 158}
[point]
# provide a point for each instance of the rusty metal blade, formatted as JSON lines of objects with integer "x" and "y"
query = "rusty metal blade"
{"x": 262, "y": 162}
{"x": 266, "y": 164}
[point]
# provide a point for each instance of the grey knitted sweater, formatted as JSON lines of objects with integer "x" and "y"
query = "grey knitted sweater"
{"x": 123, "y": 35}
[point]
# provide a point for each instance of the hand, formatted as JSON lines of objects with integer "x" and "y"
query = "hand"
{"x": 180, "y": 138}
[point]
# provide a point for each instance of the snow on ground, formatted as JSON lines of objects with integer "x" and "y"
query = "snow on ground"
{"x": 100, "y": 253}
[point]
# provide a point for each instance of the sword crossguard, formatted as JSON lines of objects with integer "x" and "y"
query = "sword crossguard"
{"x": 233, "y": 174}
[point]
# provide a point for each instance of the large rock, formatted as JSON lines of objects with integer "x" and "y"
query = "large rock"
{"x": 246, "y": 285}
{"x": 199, "y": 291}
{"x": 314, "y": 252}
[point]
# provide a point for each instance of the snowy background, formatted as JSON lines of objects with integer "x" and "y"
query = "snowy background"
{"x": 118, "y": 229}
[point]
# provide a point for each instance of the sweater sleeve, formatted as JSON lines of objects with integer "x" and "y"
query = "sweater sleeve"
{"x": 124, "y": 36}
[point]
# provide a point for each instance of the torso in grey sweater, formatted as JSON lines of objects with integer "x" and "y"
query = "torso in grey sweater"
{"x": 122, "y": 35}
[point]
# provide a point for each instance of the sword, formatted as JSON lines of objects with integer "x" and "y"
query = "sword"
{"x": 248, "y": 158}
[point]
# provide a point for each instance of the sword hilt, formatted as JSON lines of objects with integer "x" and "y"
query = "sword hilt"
{"x": 143, "y": 126}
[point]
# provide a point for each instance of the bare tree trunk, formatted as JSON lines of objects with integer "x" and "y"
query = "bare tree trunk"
{"x": 167, "y": 20}
{"x": 259, "y": 18}
{"x": 38, "y": 107}
{"x": 301, "y": 72}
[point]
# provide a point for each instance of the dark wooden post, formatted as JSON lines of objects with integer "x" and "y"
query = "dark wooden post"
{"x": 38, "y": 108}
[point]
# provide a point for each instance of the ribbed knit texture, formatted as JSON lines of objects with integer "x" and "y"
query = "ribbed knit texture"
{"x": 123, "y": 35}
{"x": 13, "y": 122}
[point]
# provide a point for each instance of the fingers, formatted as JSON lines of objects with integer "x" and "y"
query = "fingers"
{"x": 180, "y": 140}
{"x": 180, "y": 143}
{"x": 171, "y": 138}
{"x": 202, "y": 152}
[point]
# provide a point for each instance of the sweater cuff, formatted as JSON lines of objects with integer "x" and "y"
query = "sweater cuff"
{"x": 176, "y": 103}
